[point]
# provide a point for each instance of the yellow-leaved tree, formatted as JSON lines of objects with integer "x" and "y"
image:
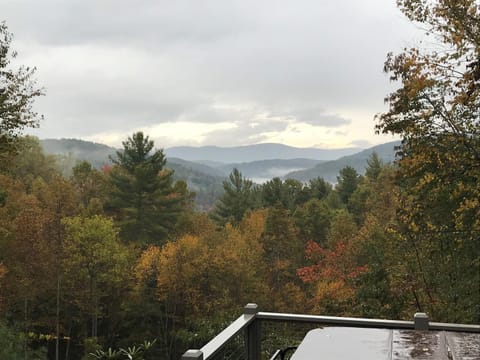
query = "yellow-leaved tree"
{"x": 436, "y": 111}
{"x": 200, "y": 280}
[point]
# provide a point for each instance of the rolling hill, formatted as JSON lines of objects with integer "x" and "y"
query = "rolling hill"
{"x": 330, "y": 169}
{"x": 94, "y": 153}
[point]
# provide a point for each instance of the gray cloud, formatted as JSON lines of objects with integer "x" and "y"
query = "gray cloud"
{"x": 245, "y": 133}
{"x": 119, "y": 64}
{"x": 314, "y": 115}
{"x": 123, "y": 22}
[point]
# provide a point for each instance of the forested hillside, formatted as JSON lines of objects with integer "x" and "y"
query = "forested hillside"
{"x": 329, "y": 169}
{"x": 205, "y": 177}
{"x": 204, "y": 180}
{"x": 118, "y": 257}
{"x": 74, "y": 149}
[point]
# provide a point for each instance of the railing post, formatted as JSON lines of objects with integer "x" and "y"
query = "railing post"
{"x": 192, "y": 355}
{"x": 252, "y": 333}
{"x": 420, "y": 321}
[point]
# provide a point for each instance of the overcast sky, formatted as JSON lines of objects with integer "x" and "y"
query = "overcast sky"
{"x": 218, "y": 72}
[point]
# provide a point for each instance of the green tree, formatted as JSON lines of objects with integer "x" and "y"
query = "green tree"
{"x": 17, "y": 92}
{"x": 374, "y": 166}
{"x": 91, "y": 186}
{"x": 273, "y": 193}
{"x": 357, "y": 201}
{"x": 143, "y": 197}
{"x": 347, "y": 181}
{"x": 237, "y": 199}
{"x": 288, "y": 193}
{"x": 319, "y": 188}
{"x": 435, "y": 110}
{"x": 313, "y": 221}
{"x": 94, "y": 263}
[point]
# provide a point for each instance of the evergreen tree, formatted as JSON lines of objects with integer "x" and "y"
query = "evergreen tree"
{"x": 319, "y": 188}
{"x": 288, "y": 193}
{"x": 239, "y": 197}
{"x": 348, "y": 180}
{"x": 374, "y": 166}
{"x": 143, "y": 198}
{"x": 313, "y": 221}
{"x": 273, "y": 193}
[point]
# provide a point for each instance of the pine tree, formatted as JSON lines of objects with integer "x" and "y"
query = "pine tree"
{"x": 239, "y": 197}
{"x": 143, "y": 198}
{"x": 374, "y": 166}
{"x": 348, "y": 180}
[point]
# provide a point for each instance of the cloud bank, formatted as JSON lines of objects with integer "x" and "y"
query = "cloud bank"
{"x": 212, "y": 72}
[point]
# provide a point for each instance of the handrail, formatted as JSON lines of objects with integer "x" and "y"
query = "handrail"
{"x": 214, "y": 345}
{"x": 247, "y": 322}
{"x": 454, "y": 327}
{"x": 340, "y": 321}
{"x": 367, "y": 323}
{"x": 219, "y": 341}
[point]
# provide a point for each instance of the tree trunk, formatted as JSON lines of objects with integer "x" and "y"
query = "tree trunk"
{"x": 26, "y": 329}
{"x": 57, "y": 341}
{"x": 67, "y": 350}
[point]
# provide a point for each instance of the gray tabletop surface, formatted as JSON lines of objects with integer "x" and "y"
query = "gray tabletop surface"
{"x": 342, "y": 343}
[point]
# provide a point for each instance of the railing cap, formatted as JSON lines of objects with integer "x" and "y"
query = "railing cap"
{"x": 421, "y": 321}
{"x": 250, "y": 309}
{"x": 193, "y": 354}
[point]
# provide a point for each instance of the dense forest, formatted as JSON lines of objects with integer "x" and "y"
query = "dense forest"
{"x": 119, "y": 256}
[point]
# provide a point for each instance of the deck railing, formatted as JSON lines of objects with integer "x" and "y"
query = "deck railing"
{"x": 250, "y": 324}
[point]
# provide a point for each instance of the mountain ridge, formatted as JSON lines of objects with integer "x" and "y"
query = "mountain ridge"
{"x": 329, "y": 170}
{"x": 205, "y": 178}
{"x": 255, "y": 152}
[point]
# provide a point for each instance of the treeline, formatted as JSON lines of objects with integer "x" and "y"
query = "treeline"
{"x": 86, "y": 259}
{"x": 114, "y": 257}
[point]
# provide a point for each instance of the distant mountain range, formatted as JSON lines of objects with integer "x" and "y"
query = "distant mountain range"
{"x": 205, "y": 168}
{"x": 258, "y": 152}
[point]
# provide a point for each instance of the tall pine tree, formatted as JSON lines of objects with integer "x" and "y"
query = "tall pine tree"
{"x": 143, "y": 197}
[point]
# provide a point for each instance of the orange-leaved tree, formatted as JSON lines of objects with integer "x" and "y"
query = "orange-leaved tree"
{"x": 331, "y": 278}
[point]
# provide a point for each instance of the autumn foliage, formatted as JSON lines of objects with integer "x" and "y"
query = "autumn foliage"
{"x": 107, "y": 258}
